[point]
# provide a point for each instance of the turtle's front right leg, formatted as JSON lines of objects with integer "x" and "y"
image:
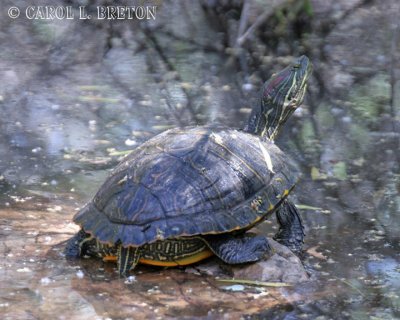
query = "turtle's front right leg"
{"x": 291, "y": 230}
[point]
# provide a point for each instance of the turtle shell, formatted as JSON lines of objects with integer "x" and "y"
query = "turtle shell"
{"x": 185, "y": 182}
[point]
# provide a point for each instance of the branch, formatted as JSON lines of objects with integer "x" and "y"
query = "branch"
{"x": 274, "y": 4}
{"x": 170, "y": 67}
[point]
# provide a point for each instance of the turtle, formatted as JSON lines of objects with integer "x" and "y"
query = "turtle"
{"x": 190, "y": 193}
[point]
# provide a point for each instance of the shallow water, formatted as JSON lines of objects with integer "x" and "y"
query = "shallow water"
{"x": 351, "y": 253}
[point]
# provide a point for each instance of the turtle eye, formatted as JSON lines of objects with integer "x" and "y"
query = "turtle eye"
{"x": 296, "y": 66}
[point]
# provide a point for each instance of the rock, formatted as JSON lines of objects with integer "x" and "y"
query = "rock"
{"x": 282, "y": 266}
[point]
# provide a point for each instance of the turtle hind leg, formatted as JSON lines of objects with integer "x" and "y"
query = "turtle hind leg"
{"x": 291, "y": 230}
{"x": 73, "y": 249}
{"x": 238, "y": 249}
{"x": 127, "y": 259}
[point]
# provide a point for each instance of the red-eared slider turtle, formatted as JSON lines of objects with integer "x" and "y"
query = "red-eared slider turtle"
{"x": 189, "y": 193}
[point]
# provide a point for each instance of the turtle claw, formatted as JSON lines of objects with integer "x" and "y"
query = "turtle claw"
{"x": 295, "y": 243}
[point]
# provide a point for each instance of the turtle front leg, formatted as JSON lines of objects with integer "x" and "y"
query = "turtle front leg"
{"x": 127, "y": 259}
{"x": 238, "y": 249}
{"x": 291, "y": 230}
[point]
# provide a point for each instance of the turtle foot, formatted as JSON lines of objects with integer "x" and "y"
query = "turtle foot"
{"x": 294, "y": 241}
{"x": 291, "y": 232}
{"x": 239, "y": 249}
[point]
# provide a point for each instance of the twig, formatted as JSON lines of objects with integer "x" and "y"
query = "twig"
{"x": 256, "y": 283}
{"x": 206, "y": 47}
{"x": 274, "y": 4}
{"x": 351, "y": 286}
{"x": 244, "y": 17}
{"x": 170, "y": 67}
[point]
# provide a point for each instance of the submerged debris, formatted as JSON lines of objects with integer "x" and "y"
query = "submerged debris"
{"x": 80, "y": 274}
{"x": 235, "y": 287}
{"x": 130, "y": 279}
{"x": 45, "y": 281}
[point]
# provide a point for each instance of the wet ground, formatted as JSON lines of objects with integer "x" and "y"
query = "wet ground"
{"x": 353, "y": 264}
{"x": 70, "y": 112}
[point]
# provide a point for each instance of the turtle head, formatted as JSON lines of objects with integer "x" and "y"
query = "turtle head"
{"x": 281, "y": 95}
